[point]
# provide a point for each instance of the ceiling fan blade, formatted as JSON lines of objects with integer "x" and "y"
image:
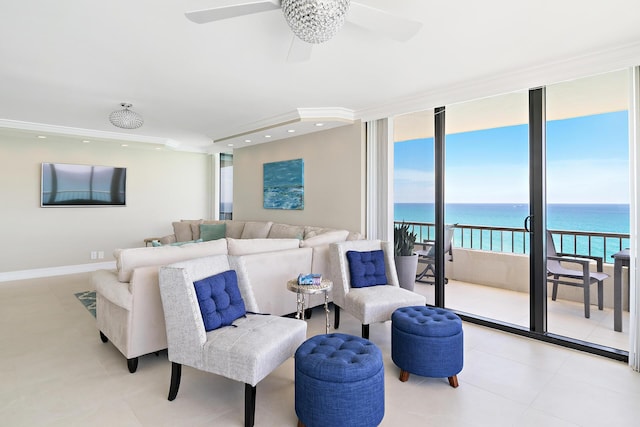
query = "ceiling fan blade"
{"x": 299, "y": 51}
{"x": 379, "y": 21}
{"x": 225, "y": 12}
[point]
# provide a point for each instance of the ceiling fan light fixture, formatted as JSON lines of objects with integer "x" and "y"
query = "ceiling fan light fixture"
{"x": 125, "y": 118}
{"x": 315, "y": 21}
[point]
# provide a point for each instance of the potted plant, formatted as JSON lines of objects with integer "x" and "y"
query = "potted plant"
{"x": 406, "y": 260}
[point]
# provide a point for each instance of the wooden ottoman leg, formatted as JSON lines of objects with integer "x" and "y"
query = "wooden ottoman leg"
{"x": 404, "y": 375}
{"x": 300, "y": 424}
{"x": 453, "y": 381}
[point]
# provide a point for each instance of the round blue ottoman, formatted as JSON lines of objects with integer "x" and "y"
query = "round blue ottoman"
{"x": 427, "y": 341}
{"x": 339, "y": 382}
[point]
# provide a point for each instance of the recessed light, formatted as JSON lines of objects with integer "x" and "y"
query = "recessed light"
{"x": 291, "y": 130}
{"x": 86, "y": 141}
{"x": 158, "y": 148}
{"x": 267, "y": 136}
{"x": 247, "y": 140}
{"x": 124, "y": 145}
{"x": 319, "y": 124}
{"x": 42, "y": 137}
{"x": 231, "y": 145}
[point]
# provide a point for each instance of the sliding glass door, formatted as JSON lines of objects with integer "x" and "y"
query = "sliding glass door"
{"x": 513, "y": 169}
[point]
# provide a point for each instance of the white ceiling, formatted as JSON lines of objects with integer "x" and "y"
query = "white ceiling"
{"x": 65, "y": 65}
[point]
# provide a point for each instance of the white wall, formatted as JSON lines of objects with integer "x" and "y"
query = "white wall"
{"x": 334, "y": 179}
{"x": 162, "y": 186}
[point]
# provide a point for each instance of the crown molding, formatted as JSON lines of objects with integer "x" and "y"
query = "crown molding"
{"x": 87, "y": 133}
{"x": 588, "y": 64}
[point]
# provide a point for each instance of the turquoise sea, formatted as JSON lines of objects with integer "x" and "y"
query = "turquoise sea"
{"x": 605, "y": 218}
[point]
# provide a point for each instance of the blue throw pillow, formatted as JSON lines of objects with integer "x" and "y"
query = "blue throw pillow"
{"x": 367, "y": 268}
{"x": 220, "y": 300}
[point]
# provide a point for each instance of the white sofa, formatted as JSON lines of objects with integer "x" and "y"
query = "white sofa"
{"x": 128, "y": 305}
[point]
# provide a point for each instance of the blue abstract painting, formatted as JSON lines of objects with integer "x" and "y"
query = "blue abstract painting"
{"x": 284, "y": 185}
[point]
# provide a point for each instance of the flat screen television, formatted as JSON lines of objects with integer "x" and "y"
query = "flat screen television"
{"x": 82, "y": 185}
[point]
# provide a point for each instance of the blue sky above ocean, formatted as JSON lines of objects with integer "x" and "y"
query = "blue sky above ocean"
{"x": 587, "y": 163}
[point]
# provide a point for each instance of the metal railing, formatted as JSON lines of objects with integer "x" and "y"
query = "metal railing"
{"x": 516, "y": 240}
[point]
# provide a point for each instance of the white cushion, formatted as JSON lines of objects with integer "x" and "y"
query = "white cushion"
{"x": 253, "y": 246}
{"x": 129, "y": 259}
{"x": 285, "y": 231}
{"x": 325, "y": 238}
{"x": 256, "y": 230}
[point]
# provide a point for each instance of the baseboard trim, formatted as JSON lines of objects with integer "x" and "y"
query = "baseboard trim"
{"x": 55, "y": 271}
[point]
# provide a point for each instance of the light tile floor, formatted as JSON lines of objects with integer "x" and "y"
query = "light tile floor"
{"x": 55, "y": 371}
{"x": 563, "y": 317}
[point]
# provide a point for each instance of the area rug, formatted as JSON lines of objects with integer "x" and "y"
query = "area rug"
{"x": 88, "y": 299}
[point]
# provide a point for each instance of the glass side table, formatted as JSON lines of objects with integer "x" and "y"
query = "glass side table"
{"x": 303, "y": 290}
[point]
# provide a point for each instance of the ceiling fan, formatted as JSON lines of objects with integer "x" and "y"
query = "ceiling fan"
{"x": 315, "y": 21}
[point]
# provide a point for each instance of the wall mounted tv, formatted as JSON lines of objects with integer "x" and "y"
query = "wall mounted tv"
{"x": 82, "y": 185}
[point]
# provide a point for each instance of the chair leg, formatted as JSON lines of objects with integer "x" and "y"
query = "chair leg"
{"x": 365, "y": 332}
{"x": 132, "y": 364}
{"x": 249, "y": 405}
{"x": 600, "y": 296}
{"x": 176, "y": 372}
{"x": 103, "y": 337}
{"x": 554, "y": 292}
{"x": 336, "y": 316}
{"x": 453, "y": 381}
{"x": 300, "y": 424}
{"x": 587, "y": 298}
{"x": 404, "y": 376}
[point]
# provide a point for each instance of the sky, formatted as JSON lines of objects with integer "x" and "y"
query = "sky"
{"x": 587, "y": 162}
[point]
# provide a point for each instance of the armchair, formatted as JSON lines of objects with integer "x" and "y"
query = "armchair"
{"x": 584, "y": 277}
{"x": 247, "y": 351}
{"x": 368, "y": 304}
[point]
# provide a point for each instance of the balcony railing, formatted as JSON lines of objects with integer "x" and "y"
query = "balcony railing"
{"x": 516, "y": 240}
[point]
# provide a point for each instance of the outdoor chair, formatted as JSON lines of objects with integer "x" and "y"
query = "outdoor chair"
{"x": 427, "y": 254}
{"x": 557, "y": 274}
{"x": 366, "y": 282}
{"x": 245, "y": 348}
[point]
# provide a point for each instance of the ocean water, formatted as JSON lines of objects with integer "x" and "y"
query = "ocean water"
{"x": 605, "y": 218}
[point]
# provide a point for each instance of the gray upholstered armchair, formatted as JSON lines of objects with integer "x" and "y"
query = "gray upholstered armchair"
{"x": 247, "y": 351}
{"x": 380, "y": 297}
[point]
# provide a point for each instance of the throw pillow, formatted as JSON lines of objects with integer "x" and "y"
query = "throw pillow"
{"x": 367, "y": 268}
{"x": 220, "y": 300}
{"x": 182, "y": 231}
{"x": 212, "y": 231}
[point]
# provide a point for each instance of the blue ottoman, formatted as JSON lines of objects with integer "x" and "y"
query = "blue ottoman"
{"x": 427, "y": 341}
{"x": 339, "y": 382}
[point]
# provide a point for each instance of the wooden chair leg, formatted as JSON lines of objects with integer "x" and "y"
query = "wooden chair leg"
{"x": 453, "y": 381}
{"x": 300, "y": 424}
{"x": 404, "y": 376}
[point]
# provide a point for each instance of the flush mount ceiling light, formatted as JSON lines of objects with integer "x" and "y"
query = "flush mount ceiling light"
{"x": 315, "y": 21}
{"x": 125, "y": 118}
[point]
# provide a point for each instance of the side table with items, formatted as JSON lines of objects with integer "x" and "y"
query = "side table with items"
{"x": 302, "y": 290}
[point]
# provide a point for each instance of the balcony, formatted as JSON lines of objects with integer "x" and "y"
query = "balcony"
{"x": 489, "y": 277}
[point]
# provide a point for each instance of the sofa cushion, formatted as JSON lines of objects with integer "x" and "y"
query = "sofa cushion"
{"x": 129, "y": 259}
{"x": 212, "y": 231}
{"x": 334, "y": 236}
{"x": 156, "y": 243}
{"x": 234, "y": 228}
{"x": 366, "y": 268}
{"x": 220, "y": 300}
{"x": 182, "y": 231}
{"x": 286, "y": 231}
{"x": 253, "y": 246}
{"x": 312, "y": 231}
{"x": 256, "y": 230}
